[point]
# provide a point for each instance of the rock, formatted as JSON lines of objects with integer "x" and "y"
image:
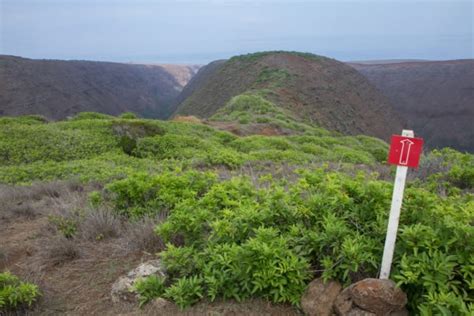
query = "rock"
{"x": 401, "y": 312}
{"x": 356, "y": 311}
{"x": 343, "y": 302}
{"x": 380, "y": 297}
{"x": 122, "y": 288}
{"x": 160, "y": 303}
{"x": 319, "y": 297}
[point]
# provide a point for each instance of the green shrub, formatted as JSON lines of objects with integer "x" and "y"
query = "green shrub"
{"x": 16, "y": 294}
{"x": 143, "y": 194}
{"x": 327, "y": 220}
{"x": 95, "y": 198}
{"x": 24, "y": 119}
{"x": 128, "y": 115}
{"x": 91, "y": 116}
{"x": 226, "y": 157}
{"x": 179, "y": 261}
{"x": 185, "y": 291}
{"x": 66, "y": 226}
{"x": 149, "y": 288}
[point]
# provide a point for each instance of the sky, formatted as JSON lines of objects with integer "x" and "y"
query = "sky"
{"x": 199, "y": 31}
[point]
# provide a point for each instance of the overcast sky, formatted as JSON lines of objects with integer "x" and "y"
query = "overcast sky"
{"x": 199, "y": 31}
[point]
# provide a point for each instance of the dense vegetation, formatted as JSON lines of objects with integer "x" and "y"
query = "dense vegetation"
{"x": 260, "y": 216}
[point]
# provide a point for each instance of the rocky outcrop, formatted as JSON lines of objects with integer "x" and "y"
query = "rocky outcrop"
{"x": 319, "y": 297}
{"x": 369, "y": 297}
{"x": 122, "y": 289}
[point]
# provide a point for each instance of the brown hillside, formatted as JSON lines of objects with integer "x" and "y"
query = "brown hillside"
{"x": 57, "y": 89}
{"x": 435, "y": 98}
{"x": 316, "y": 89}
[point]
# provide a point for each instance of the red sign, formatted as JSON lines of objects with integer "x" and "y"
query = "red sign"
{"x": 405, "y": 151}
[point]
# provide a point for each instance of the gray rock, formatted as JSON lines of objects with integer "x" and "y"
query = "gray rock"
{"x": 161, "y": 303}
{"x": 319, "y": 297}
{"x": 122, "y": 288}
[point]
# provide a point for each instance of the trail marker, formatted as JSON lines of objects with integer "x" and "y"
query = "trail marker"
{"x": 405, "y": 151}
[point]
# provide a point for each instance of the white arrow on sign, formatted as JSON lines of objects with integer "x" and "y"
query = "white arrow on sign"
{"x": 406, "y": 146}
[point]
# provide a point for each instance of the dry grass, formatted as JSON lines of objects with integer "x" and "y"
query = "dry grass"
{"x": 24, "y": 201}
{"x": 189, "y": 119}
{"x": 25, "y": 210}
{"x": 140, "y": 235}
{"x": 60, "y": 250}
{"x": 100, "y": 224}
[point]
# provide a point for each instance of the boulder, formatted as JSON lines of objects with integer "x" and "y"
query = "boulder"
{"x": 343, "y": 303}
{"x": 122, "y": 288}
{"x": 319, "y": 297}
{"x": 355, "y": 311}
{"x": 161, "y": 303}
{"x": 377, "y": 296}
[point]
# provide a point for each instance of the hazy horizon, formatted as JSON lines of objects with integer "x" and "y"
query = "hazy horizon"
{"x": 197, "y": 32}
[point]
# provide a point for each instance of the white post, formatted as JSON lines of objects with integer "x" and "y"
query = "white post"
{"x": 394, "y": 218}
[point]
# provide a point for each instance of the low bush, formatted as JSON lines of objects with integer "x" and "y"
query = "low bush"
{"x": 16, "y": 294}
{"x": 149, "y": 288}
{"x": 128, "y": 116}
{"x": 139, "y": 235}
{"x": 185, "y": 291}
{"x": 99, "y": 224}
{"x": 243, "y": 240}
{"x": 59, "y": 251}
{"x": 91, "y": 116}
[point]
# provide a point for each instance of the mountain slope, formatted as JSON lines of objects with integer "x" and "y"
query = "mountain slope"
{"x": 315, "y": 89}
{"x": 57, "y": 89}
{"x": 435, "y": 98}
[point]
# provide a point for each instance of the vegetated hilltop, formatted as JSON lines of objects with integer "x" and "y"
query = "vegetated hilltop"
{"x": 314, "y": 89}
{"x": 435, "y": 98}
{"x": 57, "y": 88}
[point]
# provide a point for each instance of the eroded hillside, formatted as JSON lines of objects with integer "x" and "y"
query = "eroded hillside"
{"x": 435, "y": 98}
{"x": 317, "y": 90}
{"x": 57, "y": 89}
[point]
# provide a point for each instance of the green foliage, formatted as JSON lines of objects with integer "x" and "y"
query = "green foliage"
{"x": 128, "y": 115}
{"x": 65, "y": 141}
{"x": 66, "y": 226}
{"x": 149, "y": 288}
{"x": 275, "y": 77}
{"x": 254, "y": 57}
{"x": 446, "y": 170}
{"x": 16, "y": 294}
{"x": 232, "y": 236}
{"x": 25, "y": 119}
{"x": 145, "y": 194}
{"x": 247, "y": 241}
{"x": 95, "y": 198}
{"x": 185, "y": 291}
{"x": 179, "y": 261}
{"x": 91, "y": 116}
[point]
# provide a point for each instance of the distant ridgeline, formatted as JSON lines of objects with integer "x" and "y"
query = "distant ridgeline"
{"x": 435, "y": 98}
{"x": 57, "y": 89}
